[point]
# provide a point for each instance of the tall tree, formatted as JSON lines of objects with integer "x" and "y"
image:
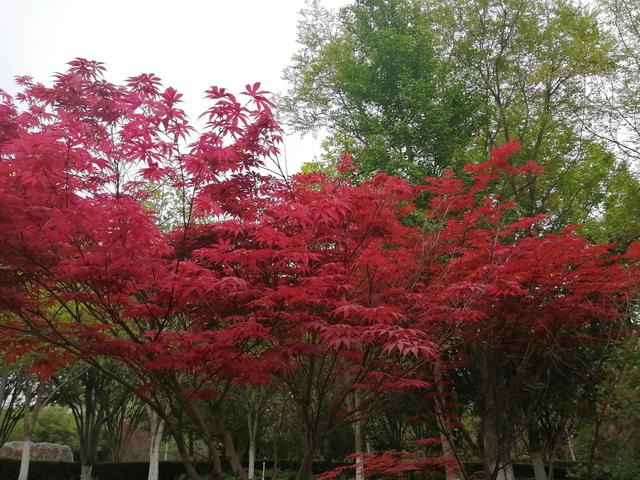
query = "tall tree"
{"x": 372, "y": 75}
{"x": 533, "y": 61}
{"x": 188, "y": 312}
{"x": 93, "y": 399}
{"x": 531, "y": 66}
{"x": 615, "y": 96}
{"x": 90, "y": 139}
{"x": 416, "y": 87}
{"x": 10, "y": 405}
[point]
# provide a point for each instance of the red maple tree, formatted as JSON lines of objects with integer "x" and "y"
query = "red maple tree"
{"x": 85, "y": 266}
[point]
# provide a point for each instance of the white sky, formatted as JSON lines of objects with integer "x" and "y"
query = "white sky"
{"x": 189, "y": 44}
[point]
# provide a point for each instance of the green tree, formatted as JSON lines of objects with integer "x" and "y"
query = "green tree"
{"x": 55, "y": 424}
{"x": 92, "y": 398}
{"x": 607, "y": 440}
{"x": 532, "y": 61}
{"x": 616, "y": 97}
{"x": 413, "y": 87}
{"x": 619, "y": 221}
{"x": 11, "y": 406}
{"x": 373, "y": 77}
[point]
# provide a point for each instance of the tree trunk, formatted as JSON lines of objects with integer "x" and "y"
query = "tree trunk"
{"x": 535, "y": 449}
{"x": 85, "y": 472}
{"x": 358, "y": 439}
{"x": 156, "y": 425}
{"x": 496, "y": 461}
{"x": 359, "y": 449}
{"x": 3, "y": 387}
{"x": 538, "y": 466}
{"x": 490, "y": 447}
{"x": 183, "y": 451}
{"x": 594, "y": 446}
{"x": 252, "y": 421}
{"x": 451, "y": 472}
{"x": 275, "y": 468}
{"x": 495, "y": 431}
{"x": 507, "y": 470}
{"x": 276, "y": 437}
{"x": 304, "y": 472}
{"x": 572, "y": 452}
{"x": 230, "y": 451}
{"x": 89, "y": 439}
{"x": 30, "y": 417}
{"x": 25, "y": 460}
{"x": 491, "y": 451}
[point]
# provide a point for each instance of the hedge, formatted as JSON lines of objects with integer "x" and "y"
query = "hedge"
{"x": 9, "y": 470}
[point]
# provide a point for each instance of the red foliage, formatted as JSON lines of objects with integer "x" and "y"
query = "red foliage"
{"x": 392, "y": 463}
{"x": 259, "y": 273}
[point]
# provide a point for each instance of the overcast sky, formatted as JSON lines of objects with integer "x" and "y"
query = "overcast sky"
{"x": 191, "y": 44}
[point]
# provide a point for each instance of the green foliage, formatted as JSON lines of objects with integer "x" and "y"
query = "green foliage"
{"x": 616, "y": 99}
{"x": 55, "y": 425}
{"x": 11, "y": 404}
{"x": 373, "y": 77}
{"x": 413, "y": 87}
{"x": 620, "y": 219}
{"x": 392, "y": 80}
{"x": 614, "y": 430}
{"x": 533, "y": 61}
{"x": 166, "y": 202}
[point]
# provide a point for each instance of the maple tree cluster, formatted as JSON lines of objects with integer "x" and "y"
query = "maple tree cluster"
{"x": 254, "y": 274}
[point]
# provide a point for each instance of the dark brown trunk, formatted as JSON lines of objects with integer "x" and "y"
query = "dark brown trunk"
{"x": 304, "y": 472}
{"x": 230, "y": 452}
{"x": 496, "y": 436}
{"x": 186, "y": 457}
{"x": 591, "y": 461}
{"x": 490, "y": 446}
{"x": 275, "y": 471}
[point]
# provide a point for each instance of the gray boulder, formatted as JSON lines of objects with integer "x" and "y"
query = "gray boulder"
{"x": 42, "y": 451}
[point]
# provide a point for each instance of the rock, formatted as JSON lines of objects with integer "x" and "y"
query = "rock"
{"x": 43, "y": 451}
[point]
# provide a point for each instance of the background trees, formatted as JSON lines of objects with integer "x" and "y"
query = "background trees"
{"x": 373, "y": 76}
{"x": 615, "y": 96}
{"x": 441, "y": 84}
{"x": 10, "y": 406}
